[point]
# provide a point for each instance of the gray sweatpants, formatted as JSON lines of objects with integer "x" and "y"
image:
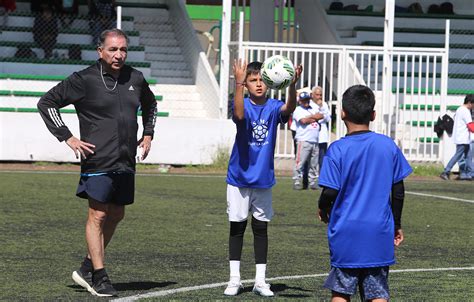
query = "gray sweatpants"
{"x": 306, "y": 152}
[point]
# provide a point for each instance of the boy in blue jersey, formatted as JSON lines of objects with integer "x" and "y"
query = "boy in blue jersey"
{"x": 250, "y": 175}
{"x": 362, "y": 199}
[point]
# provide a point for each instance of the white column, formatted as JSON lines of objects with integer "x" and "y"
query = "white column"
{"x": 387, "y": 65}
{"x": 241, "y": 34}
{"x": 119, "y": 17}
{"x": 225, "y": 56}
{"x": 446, "y": 145}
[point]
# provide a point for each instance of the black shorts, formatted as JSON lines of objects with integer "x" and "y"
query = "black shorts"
{"x": 108, "y": 188}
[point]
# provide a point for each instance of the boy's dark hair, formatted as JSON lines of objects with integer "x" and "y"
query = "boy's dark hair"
{"x": 358, "y": 103}
{"x": 253, "y": 68}
{"x": 469, "y": 98}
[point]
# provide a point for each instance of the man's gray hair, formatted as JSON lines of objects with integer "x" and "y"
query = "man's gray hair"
{"x": 111, "y": 32}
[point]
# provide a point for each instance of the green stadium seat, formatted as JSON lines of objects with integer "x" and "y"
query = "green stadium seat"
{"x": 429, "y": 140}
{"x": 422, "y": 123}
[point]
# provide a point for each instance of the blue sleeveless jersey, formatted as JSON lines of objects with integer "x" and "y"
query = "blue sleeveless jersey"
{"x": 362, "y": 167}
{"x": 251, "y": 162}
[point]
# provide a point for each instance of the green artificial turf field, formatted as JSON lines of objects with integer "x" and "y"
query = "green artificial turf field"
{"x": 175, "y": 237}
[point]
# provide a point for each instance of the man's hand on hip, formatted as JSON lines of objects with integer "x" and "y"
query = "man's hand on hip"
{"x": 80, "y": 147}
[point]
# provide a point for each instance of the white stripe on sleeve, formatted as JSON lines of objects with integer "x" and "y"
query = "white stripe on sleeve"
{"x": 54, "y": 116}
{"x": 58, "y": 117}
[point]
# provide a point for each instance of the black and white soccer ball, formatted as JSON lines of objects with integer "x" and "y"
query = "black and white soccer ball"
{"x": 260, "y": 132}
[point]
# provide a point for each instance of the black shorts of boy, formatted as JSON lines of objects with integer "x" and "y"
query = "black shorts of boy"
{"x": 372, "y": 281}
{"x": 108, "y": 188}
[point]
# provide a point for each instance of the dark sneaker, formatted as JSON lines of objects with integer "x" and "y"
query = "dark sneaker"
{"x": 83, "y": 279}
{"x": 103, "y": 288}
{"x": 444, "y": 176}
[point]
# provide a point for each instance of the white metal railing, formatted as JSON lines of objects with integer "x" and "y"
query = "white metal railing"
{"x": 416, "y": 99}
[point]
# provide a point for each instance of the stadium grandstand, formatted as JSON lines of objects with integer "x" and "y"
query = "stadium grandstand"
{"x": 418, "y": 57}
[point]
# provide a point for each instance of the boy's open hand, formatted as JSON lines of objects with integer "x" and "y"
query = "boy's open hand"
{"x": 298, "y": 71}
{"x": 324, "y": 215}
{"x": 240, "y": 69}
{"x": 398, "y": 237}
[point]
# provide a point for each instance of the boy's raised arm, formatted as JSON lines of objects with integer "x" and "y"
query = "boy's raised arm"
{"x": 240, "y": 70}
{"x": 290, "y": 104}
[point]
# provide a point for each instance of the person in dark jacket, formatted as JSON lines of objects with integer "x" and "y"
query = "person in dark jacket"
{"x": 107, "y": 96}
{"x": 102, "y": 16}
{"x": 45, "y": 31}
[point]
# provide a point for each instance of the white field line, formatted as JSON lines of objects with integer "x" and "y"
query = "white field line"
{"x": 440, "y": 197}
{"x": 215, "y": 176}
{"x": 221, "y": 284}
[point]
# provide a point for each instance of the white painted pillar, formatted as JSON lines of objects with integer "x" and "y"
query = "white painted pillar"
{"x": 446, "y": 146}
{"x": 387, "y": 66}
{"x": 241, "y": 34}
{"x": 226, "y": 25}
{"x": 119, "y": 17}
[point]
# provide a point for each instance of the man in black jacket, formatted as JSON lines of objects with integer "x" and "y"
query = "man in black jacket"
{"x": 107, "y": 97}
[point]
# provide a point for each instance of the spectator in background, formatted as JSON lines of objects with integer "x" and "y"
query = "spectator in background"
{"x": 69, "y": 9}
{"x": 102, "y": 17}
{"x": 306, "y": 117}
{"x": 6, "y": 6}
{"x": 462, "y": 139}
{"x": 45, "y": 30}
{"x": 292, "y": 127}
{"x": 323, "y": 108}
{"x": 38, "y": 5}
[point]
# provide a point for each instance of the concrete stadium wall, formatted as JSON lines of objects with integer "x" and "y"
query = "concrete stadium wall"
{"x": 24, "y": 137}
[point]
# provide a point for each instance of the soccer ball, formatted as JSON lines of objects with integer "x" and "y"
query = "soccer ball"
{"x": 277, "y": 72}
{"x": 260, "y": 132}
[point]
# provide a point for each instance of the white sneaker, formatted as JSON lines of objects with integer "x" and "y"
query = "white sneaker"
{"x": 233, "y": 288}
{"x": 263, "y": 289}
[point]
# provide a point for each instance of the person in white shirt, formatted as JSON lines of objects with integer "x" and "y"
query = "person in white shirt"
{"x": 462, "y": 139}
{"x": 306, "y": 117}
{"x": 323, "y": 108}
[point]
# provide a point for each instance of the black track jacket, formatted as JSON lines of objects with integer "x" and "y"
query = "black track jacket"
{"x": 107, "y": 118}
